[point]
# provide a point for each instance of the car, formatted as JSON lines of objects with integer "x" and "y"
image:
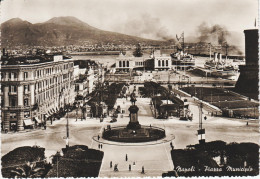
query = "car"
{"x": 113, "y": 120}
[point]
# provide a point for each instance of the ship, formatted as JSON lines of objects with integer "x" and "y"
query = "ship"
{"x": 221, "y": 69}
{"x": 182, "y": 61}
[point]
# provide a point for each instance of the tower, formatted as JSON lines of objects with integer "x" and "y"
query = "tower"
{"x": 248, "y": 79}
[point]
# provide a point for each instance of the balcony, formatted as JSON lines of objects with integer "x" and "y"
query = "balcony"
{"x": 12, "y": 93}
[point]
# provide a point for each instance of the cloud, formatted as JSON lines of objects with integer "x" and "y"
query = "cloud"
{"x": 145, "y": 26}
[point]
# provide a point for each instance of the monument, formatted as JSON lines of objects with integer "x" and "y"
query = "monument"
{"x": 133, "y": 132}
{"x": 133, "y": 109}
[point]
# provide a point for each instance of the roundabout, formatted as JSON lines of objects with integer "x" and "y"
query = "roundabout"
{"x": 133, "y": 135}
{"x": 133, "y": 132}
{"x": 167, "y": 139}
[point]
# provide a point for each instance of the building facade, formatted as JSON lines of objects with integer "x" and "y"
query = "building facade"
{"x": 155, "y": 62}
{"x": 32, "y": 88}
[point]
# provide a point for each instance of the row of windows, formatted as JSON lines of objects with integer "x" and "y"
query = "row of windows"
{"x": 13, "y": 75}
{"x": 13, "y": 114}
{"x": 13, "y": 101}
{"x": 37, "y": 73}
{"x": 140, "y": 63}
{"x": 51, "y": 93}
{"x": 53, "y": 80}
{"x": 13, "y": 88}
{"x": 161, "y": 63}
{"x": 123, "y": 63}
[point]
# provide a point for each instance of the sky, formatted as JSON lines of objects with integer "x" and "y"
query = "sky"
{"x": 156, "y": 19}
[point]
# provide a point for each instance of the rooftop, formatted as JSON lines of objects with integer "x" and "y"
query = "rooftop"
{"x": 29, "y": 60}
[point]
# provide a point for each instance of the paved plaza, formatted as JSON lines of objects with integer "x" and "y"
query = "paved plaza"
{"x": 154, "y": 156}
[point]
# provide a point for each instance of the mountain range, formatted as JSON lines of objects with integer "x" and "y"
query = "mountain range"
{"x": 60, "y": 31}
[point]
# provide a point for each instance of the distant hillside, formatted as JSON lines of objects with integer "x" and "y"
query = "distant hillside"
{"x": 60, "y": 31}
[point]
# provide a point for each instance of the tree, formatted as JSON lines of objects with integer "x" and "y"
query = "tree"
{"x": 29, "y": 170}
{"x": 138, "y": 51}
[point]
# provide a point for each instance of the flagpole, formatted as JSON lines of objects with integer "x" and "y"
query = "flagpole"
{"x": 183, "y": 43}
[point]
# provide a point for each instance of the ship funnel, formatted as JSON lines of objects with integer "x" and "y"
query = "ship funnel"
{"x": 215, "y": 56}
{"x": 220, "y": 57}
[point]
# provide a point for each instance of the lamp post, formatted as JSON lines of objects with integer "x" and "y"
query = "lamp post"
{"x": 67, "y": 127}
{"x": 81, "y": 106}
{"x": 77, "y": 109}
{"x": 201, "y": 131}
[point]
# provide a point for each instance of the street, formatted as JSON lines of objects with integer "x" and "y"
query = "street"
{"x": 155, "y": 158}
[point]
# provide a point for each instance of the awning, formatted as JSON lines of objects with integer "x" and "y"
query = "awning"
{"x": 38, "y": 120}
{"x": 27, "y": 122}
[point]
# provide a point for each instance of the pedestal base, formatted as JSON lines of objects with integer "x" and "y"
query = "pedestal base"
{"x": 133, "y": 125}
{"x": 142, "y": 134}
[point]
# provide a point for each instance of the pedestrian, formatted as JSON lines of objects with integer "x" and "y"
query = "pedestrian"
{"x": 45, "y": 127}
{"x": 116, "y": 168}
{"x": 111, "y": 164}
{"x": 126, "y": 158}
{"x": 142, "y": 169}
{"x": 98, "y": 137}
{"x": 129, "y": 167}
{"x": 247, "y": 123}
{"x": 133, "y": 163}
{"x": 101, "y": 146}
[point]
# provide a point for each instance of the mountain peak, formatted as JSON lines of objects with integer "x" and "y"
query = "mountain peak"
{"x": 67, "y": 20}
{"x": 15, "y": 21}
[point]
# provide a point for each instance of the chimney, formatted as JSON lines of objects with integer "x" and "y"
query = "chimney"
{"x": 220, "y": 57}
{"x": 215, "y": 56}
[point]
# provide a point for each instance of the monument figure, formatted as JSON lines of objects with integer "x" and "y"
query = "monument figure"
{"x": 133, "y": 98}
{"x": 133, "y": 123}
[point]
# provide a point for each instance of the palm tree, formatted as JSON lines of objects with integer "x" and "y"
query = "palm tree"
{"x": 29, "y": 170}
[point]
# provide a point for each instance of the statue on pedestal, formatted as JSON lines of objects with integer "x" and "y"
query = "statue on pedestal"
{"x": 133, "y": 98}
{"x": 133, "y": 123}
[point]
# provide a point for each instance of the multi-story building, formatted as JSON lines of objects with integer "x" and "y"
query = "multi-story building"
{"x": 155, "y": 62}
{"x": 34, "y": 87}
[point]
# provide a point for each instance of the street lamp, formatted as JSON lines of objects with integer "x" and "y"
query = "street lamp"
{"x": 81, "y": 106}
{"x": 77, "y": 109}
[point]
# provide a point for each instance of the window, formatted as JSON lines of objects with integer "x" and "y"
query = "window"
{"x": 123, "y": 63}
{"x": 12, "y": 88}
{"x": 12, "y": 115}
{"x": 9, "y": 75}
{"x": 127, "y": 63}
{"x": 163, "y": 63}
{"x": 166, "y": 62}
{"x": 159, "y": 62}
{"x": 2, "y": 76}
{"x": 2, "y": 88}
{"x": 13, "y": 102}
{"x": 25, "y": 75}
{"x": 26, "y": 102}
{"x": 26, "y": 114}
{"x": 120, "y": 64}
{"x": 26, "y": 88}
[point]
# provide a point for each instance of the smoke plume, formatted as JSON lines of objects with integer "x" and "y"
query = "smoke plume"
{"x": 215, "y": 34}
{"x": 147, "y": 26}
